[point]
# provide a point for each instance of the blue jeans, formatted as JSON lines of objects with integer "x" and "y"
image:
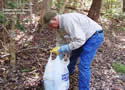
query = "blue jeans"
{"x": 86, "y": 53}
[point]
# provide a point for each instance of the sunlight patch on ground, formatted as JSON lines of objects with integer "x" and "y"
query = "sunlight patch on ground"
{"x": 122, "y": 39}
{"x": 35, "y": 18}
{"x": 32, "y": 80}
{"x": 105, "y": 22}
{"x": 120, "y": 46}
{"x": 22, "y": 37}
{"x": 19, "y": 34}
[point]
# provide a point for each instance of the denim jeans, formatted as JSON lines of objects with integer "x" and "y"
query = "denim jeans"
{"x": 86, "y": 53}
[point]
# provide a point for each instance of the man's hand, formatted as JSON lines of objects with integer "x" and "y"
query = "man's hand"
{"x": 61, "y": 50}
{"x": 55, "y": 50}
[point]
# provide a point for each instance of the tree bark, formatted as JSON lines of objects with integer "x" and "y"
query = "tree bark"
{"x": 45, "y": 7}
{"x": 94, "y": 11}
{"x": 12, "y": 44}
{"x": 123, "y": 5}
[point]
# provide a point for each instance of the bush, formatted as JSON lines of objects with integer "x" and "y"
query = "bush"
{"x": 119, "y": 68}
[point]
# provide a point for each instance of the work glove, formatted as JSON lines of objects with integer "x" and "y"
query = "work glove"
{"x": 61, "y": 50}
{"x": 55, "y": 50}
{"x": 64, "y": 49}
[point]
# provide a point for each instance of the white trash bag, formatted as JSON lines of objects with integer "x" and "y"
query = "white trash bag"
{"x": 56, "y": 76}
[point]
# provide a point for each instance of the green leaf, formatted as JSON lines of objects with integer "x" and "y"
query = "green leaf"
{"x": 27, "y": 20}
{"x": 119, "y": 67}
{"x": 12, "y": 35}
{"x": 10, "y": 22}
{"x": 11, "y": 4}
{"x": 20, "y": 26}
{"x": 2, "y": 18}
{"x": 123, "y": 28}
{"x": 59, "y": 5}
{"x": 62, "y": 3}
{"x": 27, "y": 70}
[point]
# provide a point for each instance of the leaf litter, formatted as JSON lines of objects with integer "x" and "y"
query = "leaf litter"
{"x": 32, "y": 59}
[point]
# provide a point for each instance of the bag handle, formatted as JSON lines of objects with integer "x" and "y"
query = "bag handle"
{"x": 58, "y": 58}
{"x": 50, "y": 57}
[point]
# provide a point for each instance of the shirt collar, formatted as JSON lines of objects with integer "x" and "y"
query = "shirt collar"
{"x": 60, "y": 22}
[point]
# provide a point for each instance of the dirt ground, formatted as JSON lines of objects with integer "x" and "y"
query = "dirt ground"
{"x": 32, "y": 57}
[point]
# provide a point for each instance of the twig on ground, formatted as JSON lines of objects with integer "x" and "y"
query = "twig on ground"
{"x": 3, "y": 45}
{"x": 37, "y": 47}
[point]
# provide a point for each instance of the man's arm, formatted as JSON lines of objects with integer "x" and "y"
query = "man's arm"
{"x": 74, "y": 30}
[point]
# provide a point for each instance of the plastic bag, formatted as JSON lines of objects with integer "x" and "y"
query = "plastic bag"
{"x": 56, "y": 76}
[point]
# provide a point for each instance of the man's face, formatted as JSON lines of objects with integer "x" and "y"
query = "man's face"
{"x": 54, "y": 23}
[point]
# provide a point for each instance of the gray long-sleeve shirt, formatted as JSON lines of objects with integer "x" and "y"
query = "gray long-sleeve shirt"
{"x": 78, "y": 27}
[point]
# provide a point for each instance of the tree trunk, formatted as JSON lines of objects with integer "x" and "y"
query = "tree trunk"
{"x": 45, "y": 7}
{"x": 1, "y": 5}
{"x": 94, "y": 11}
{"x": 12, "y": 44}
{"x": 123, "y": 5}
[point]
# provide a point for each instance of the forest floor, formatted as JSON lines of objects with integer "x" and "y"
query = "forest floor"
{"x": 33, "y": 52}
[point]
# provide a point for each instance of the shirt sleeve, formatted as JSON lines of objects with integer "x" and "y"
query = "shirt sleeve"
{"x": 76, "y": 34}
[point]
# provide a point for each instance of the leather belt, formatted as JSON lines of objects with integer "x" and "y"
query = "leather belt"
{"x": 97, "y": 32}
{"x": 100, "y": 31}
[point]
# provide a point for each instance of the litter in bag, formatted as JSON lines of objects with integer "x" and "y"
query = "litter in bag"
{"x": 56, "y": 76}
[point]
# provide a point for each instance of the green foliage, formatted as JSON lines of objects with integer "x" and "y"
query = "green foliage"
{"x": 112, "y": 14}
{"x": 2, "y": 18}
{"x": 120, "y": 16}
{"x": 16, "y": 4}
{"x": 12, "y": 34}
{"x": 119, "y": 67}
{"x": 112, "y": 9}
{"x": 123, "y": 28}
{"x": 111, "y": 4}
{"x": 11, "y": 4}
{"x": 27, "y": 70}
{"x": 20, "y": 26}
{"x": 59, "y": 5}
{"x": 10, "y": 22}
{"x": 27, "y": 20}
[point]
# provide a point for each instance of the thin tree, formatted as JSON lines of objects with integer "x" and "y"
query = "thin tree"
{"x": 46, "y": 5}
{"x": 94, "y": 11}
{"x": 123, "y": 5}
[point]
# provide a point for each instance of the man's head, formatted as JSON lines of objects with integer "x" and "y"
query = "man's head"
{"x": 51, "y": 19}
